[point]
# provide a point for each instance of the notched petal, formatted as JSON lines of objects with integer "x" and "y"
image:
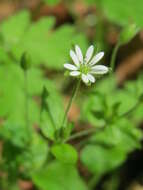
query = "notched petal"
{"x": 74, "y": 57}
{"x": 75, "y": 73}
{"x": 99, "y": 69}
{"x": 89, "y": 53}
{"x": 85, "y": 78}
{"x": 97, "y": 58}
{"x": 70, "y": 67}
{"x": 79, "y": 53}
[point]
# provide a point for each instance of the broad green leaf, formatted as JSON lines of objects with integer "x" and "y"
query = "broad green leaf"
{"x": 20, "y": 150}
{"x": 44, "y": 44}
{"x": 110, "y": 147}
{"x": 15, "y": 133}
{"x": 58, "y": 176}
{"x": 65, "y": 153}
{"x": 128, "y": 33}
{"x": 123, "y": 133}
{"x": 100, "y": 160}
{"x": 13, "y": 29}
{"x": 12, "y": 97}
{"x": 56, "y": 108}
{"x": 36, "y": 154}
{"x": 129, "y": 11}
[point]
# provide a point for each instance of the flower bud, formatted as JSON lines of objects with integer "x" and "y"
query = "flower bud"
{"x": 25, "y": 61}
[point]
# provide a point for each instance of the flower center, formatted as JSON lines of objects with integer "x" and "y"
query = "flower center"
{"x": 84, "y": 69}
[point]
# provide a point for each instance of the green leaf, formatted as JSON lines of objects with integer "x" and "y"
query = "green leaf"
{"x": 110, "y": 147}
{"x": 65, "y": 153}
{"x": 19, "y": 132}
{"x": 40, "y": 40}
{"x": 36, "y": 154}
{"x": 58, "y": 176}
{"x": 12, "y": 97}
{"x": 100, "y": 160}
{"x": 128, "y": 33}
{"x": 118, "y": 12}
{"x": 55, "y": 105}
{"x": 13, "y": 29}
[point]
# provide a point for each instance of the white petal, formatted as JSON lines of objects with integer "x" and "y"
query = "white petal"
{"x": 74, "y": 73}
{"x": 85, "y": 78}
{"x": 91, "y": 78}
{"x": 99, "y": 69}
{"x": 89, "y": 53}
{"x": 97, "y": 58}
{"x": 74, "y": 57}
{"x": 70, "y": 67}
{"x": 79, "y": 53}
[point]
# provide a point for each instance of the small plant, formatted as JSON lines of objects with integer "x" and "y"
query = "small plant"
{"x": 40, "y": 143}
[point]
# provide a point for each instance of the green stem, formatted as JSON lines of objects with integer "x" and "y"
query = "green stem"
{"x": 26, "y": 100}
{"x": 113, "y": 57}
{"x": 69, "y": 104}
{"x": 81, "y": 134}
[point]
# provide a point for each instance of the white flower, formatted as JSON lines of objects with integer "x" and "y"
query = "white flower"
{"x": 85, "y": 67}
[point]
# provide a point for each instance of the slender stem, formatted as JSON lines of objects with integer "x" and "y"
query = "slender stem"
{"x": 70, "y": 103}
{"x": 113, "y": 57}
{"x": 26, "y": 100}
{"x": 81, "y": 134}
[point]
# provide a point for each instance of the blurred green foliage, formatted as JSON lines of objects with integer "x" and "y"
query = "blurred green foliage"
{"x": 31, "y": 149}
{"x": 30, "y": 37}
{"x": 119, "y": 12}
{"x": 59, "y": 176}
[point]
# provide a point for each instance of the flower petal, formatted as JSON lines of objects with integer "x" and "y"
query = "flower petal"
{"x": 91, "y": 78}
{"x": 74, "y": 73}
{"x": 99, "y": 69}
{"x": 74, "y": 57}
{"x": 97, "y": 58}
{"x": 85, "y": 78}
{"x": 70, "y": 67}
{"x": 89, "y": 53}
{"x": 79, "y": 53}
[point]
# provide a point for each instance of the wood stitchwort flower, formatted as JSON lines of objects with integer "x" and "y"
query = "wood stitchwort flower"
{"x": 84, "y": 67}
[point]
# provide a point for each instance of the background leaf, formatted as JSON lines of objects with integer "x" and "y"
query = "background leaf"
{"x": 65, "y": 153}
{"x": 58, "y": 176}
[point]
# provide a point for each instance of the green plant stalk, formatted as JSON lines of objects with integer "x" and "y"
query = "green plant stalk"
{"x": 114, "y": 54}
{"x": 26, "y": 101}
{"x": 81, "y": 134}
{"x": 75, "y": 90}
